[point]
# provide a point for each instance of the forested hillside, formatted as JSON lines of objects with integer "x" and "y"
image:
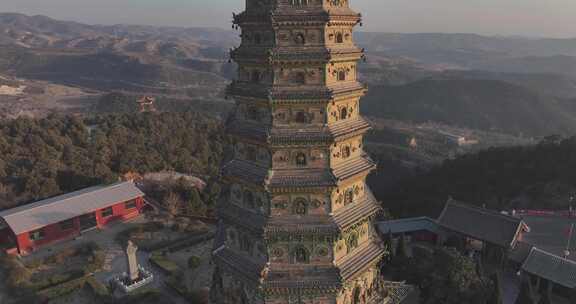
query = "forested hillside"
{"x": 540, "y": 176}
{"x": 489, "y": 105}
{"x": 44, "y": 157}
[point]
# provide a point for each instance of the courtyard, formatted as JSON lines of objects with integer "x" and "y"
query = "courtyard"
{"x": 166, "y": 247}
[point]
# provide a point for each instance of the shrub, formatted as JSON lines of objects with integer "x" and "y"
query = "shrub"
{"x": 194, "y": 262}
{"x": 198, "y": 297}
{"x": 35, "y": 263}
{"x": 63, "y": 289}
{"x": 163, "y": 263}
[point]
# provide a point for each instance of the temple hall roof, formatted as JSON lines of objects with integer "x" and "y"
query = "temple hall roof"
{"x": 551, "y": 267}
{"x": 408, "y": 225}
{"x": 63, "y": 207}
{"x": 480, "y": 223}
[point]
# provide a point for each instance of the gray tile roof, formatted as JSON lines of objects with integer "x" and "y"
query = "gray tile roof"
{"x": 520, "y": 252}
{"x": 360, "y": 260}
{"x": 551, "y": 267}
{"x": 56, "y": 209}
{"x": 400, "y": 293}
{"x": 408, "y": 225}
{"x": 364, "y": 207}
{"x": 480, "y": 223}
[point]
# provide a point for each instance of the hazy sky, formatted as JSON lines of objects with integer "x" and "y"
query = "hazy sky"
{"x": 496, "y": 17}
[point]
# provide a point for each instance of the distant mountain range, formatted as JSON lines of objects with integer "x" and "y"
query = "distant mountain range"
{"x": 470, "y": 51}
{"x": 509, "y": 84}
{"x": 161, "y": 60}
{"x": 45, "y": 32}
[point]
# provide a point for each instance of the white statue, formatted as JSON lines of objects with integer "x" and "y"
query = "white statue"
{"x": 133, "y": 269}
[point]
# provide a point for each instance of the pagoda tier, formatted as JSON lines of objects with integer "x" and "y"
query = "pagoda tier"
{"x": 248, "y": 172}
{"x": 322, "y": 135}
{"x": 299, "y": 56}
{"x": 279, "y": 94}
{"x": 331, "y": 225}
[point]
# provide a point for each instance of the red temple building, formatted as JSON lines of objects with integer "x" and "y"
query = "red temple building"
{"x": 26, "y": 228}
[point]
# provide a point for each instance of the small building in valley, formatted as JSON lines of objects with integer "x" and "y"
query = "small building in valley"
{"x": 26, "y": 228}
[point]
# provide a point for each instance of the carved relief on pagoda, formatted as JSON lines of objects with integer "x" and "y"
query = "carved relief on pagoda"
{"x": 299, "y": 37}
{"x": 348, "y": 194}
{"x": 253, "y": 112}
{"x": 340, "y": 72}
{"x": 299, "y": 250}
{"x": 344, "y": 151}
{"x": 299, "y": 76}
{"x": 252, "y": 153}
{"x": 246, "y": 244}
{"x": 253, "y": 200}
{"x": 298, "y": 115}
{"x": 339, "y": 36}
{"x": 299, "y": 4}
{"x": 343, "y": 110}
{"x": 362, "y": 289}
{"x": 336, "y": 3}
{"x": 255, "y": 75}
{"x": 352, "y": 239}
{"x": 257, "y": 37}
{"x": 300, "y": 158}
{"x": 299, "y": 205}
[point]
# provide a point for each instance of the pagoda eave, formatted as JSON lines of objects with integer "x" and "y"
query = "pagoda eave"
{"x": 362, "y": 260}
{"x": 289, "y": 137}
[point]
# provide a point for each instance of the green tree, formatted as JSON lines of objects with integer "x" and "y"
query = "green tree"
{"x": 388, "y": 244}
{"x": 496, "y": 297}
{"x": 447, "y": 277}
{"x": 401, "y": 248}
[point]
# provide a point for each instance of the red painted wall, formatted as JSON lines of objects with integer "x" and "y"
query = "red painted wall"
{"x": 119, "y": 213}
{"x": 52, "y": 233}
{"x": 55, "y": 233}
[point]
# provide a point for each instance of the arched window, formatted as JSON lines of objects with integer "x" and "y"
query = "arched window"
{"x": 352, "y": 242}
{"x": 252, "y": 113}
{"x": 299, "y": 78}
{"x": 245, "y": 244}
{"x": 339, "y": 38}
{"x": 341, "y": 75}
{"x": 300, "y": 255}
{"x": 249, "y": 199}
{"x": 301, "y": 117}
{"x": 346, "y": 152}
{"x": 356, "y": 293}
{"x": 349, "y": 197}
{"x": 301, "y": 159}
{"x": 257, "y": 38}
{"x": 299, "y": 39}
{"x": 300, "y": 207}
{"x": 344, "y": 113}
{"x": 256, "y": 76}
{"x": 251, "y": 154}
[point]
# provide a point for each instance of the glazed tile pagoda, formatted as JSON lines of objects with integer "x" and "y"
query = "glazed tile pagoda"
{"x": 296, "y": 214}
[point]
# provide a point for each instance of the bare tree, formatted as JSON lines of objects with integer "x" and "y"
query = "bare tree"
{"x": 172, "y": 202}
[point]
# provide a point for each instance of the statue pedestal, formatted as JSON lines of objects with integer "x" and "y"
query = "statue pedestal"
{"x": 126, "y": 284}
{"x": 136, "y": 276}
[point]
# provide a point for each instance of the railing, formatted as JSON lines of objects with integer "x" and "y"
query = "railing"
{"x": 562, "y": 213}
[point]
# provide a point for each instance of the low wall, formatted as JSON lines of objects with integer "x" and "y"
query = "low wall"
{"x": 562, "y": 213}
